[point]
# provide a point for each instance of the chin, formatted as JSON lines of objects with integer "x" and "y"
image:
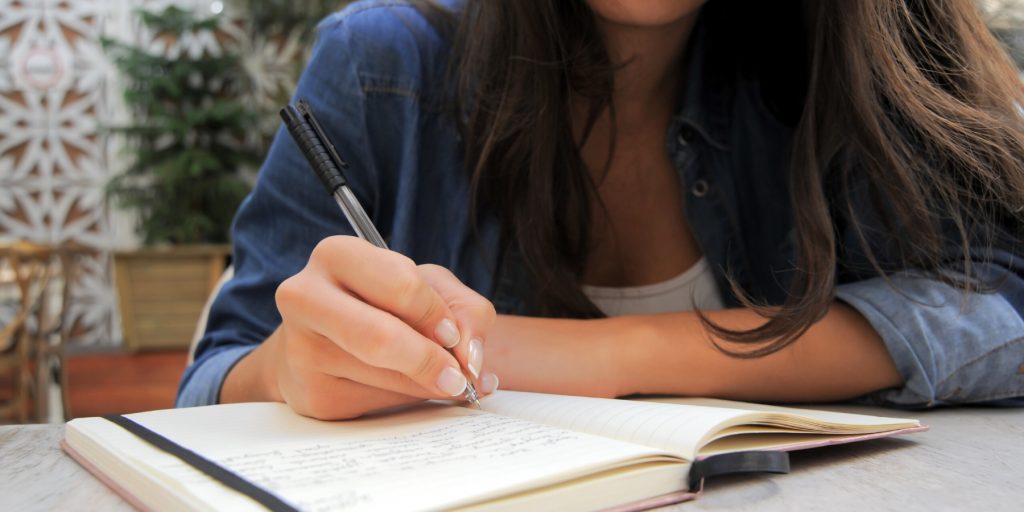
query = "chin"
{"x": 646, "y": 13}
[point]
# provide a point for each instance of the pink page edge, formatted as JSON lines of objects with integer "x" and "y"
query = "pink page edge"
{"x": 102, "y": 477}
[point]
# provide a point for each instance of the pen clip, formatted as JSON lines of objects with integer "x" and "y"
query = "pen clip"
{"x": 307, "y": 115}
{"x": 328, "y": 165}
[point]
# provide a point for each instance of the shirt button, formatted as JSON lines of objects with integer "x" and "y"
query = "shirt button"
{"x": 686, "y": 135}
{"x": 700, "y": 188}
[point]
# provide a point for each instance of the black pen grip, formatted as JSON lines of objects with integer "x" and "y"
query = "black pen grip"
{"x": 313, "y": 149}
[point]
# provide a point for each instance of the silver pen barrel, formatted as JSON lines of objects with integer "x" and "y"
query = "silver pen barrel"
{"x": 357, "y": 217}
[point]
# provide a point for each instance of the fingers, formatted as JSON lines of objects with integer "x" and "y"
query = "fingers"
{"x": 326, "y": 397}
{"x": 488, "y": 384}
{"x": 389, "y": 281}
{"x": 375, "y": 337}
{"x": 473, "y": 313}
{"x": 366, "y": 328}
{"x": 322, "y": 355}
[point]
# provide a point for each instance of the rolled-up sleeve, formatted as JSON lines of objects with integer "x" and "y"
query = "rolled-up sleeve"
{"x": 950, "y": 348}
{"x": 207, "y": 378}
{"x": 283, "y": 219}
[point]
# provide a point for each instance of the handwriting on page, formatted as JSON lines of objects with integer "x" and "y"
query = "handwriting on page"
{"x": 441, "y": 463}
{"x": 474, "y": 438}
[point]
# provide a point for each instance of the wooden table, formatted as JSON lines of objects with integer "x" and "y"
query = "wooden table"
{"x": 971, "y": 459}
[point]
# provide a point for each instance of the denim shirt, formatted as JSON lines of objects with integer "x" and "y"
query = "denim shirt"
{"x": 375, "y": 79}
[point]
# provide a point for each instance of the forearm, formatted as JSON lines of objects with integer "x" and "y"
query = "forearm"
{"x": 840, "y": 357}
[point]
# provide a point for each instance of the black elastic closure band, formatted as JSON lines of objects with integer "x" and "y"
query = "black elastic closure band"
{"x": 212, "y": 469}
{"x": 739, "y": 462}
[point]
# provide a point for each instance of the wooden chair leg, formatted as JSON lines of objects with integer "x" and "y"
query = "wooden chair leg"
{"x": 35, "y": 354}
{"x": 69, "y": 268}
{"x": 24, "y": 378}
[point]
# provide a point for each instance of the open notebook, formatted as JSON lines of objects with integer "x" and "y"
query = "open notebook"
{"x": 524, "y": 451}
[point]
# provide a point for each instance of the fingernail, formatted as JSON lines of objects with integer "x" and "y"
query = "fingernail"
{"x": 451, "y": 382}
{"x": 489, "y": 383}
{"x": 447, "y": 334}
{"x": 476, "y": 357}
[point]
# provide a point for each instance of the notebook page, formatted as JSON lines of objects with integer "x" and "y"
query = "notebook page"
{"x": 128, "y": 461}
{"x": 431, "y": 457}
{"x": 677, "y": 430}
{"x": 769, "y": 441}
{"x": 801, "y": 418}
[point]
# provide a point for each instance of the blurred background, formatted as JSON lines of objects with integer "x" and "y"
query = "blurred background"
{"x": 129, "y": 132}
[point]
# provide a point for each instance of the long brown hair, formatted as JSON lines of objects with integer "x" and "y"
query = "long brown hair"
{"x": 913, "y": 98}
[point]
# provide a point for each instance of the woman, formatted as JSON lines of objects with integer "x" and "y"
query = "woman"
{"x": 751, "y": 200}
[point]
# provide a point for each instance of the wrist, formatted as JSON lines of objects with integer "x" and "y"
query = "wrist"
{"x": 658, "y": 354}
{"x": 621, "y": 341}
{"x": 253, "y": 378}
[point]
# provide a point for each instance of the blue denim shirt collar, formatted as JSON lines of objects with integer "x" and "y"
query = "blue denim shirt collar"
{"x": 705, "y": 101}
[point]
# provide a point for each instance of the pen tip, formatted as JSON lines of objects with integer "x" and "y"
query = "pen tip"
{"x": 472, "y": 396}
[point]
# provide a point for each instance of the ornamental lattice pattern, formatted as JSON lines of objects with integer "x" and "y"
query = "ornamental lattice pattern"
{"x": 53, "y": 160}
{"x": 57, "y": 92}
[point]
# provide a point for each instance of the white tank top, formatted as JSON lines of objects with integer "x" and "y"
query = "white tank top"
{"x": 693, "y": 288}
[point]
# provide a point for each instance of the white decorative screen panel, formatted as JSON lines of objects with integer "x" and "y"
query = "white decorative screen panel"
{"x": 53, "y": 163}
{"x": 58, "y": 90}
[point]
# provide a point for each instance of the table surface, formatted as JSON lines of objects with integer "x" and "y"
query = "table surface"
{"x": 971, "y": 459}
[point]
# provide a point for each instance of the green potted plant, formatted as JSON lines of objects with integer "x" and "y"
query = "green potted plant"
{"x": 186, "y": 177}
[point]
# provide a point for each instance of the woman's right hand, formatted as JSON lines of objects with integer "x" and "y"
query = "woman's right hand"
{"x": 364, "y": 328}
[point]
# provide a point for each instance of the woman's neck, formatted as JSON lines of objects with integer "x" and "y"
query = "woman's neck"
{"x": 651, "y": 74}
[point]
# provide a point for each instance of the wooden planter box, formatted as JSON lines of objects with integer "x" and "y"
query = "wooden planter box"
{"x": 162, "y": 292}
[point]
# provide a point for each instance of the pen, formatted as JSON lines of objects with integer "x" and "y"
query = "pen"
{"x": 329, "y": 167}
